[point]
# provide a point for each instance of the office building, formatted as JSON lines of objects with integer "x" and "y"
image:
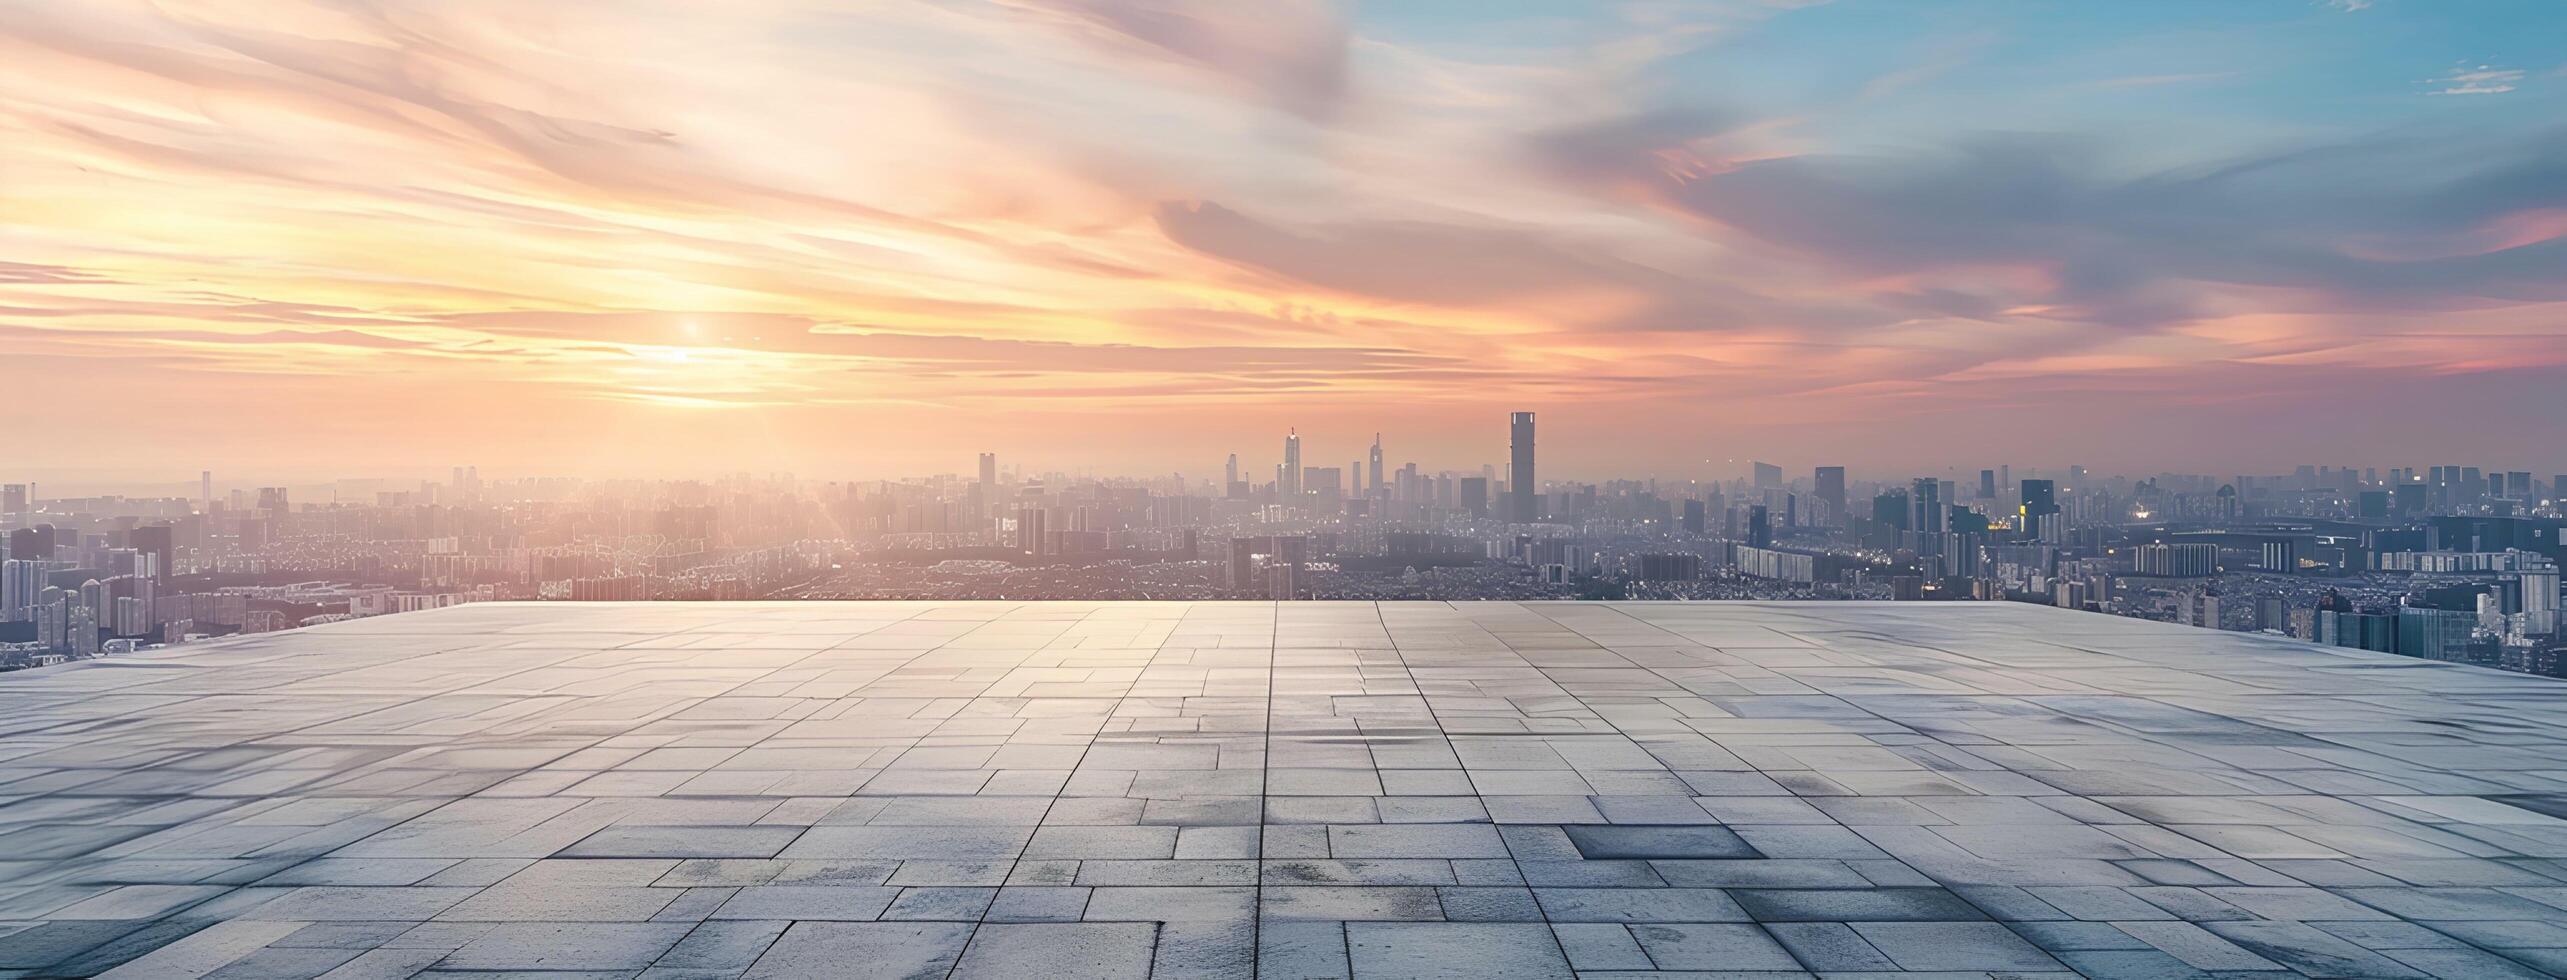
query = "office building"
{"x": 1925, "y": 508}
{"x": 2436, "y": 634}
{"x": 1830, "y": 482}
{"x": 1676, "y": 567}
{"x": 1030, "y": 538}
{"x": 2175, "y": 560}
{"x": 2281, "y": 555}
{"x": 1288, "y": 473}
{"x": 1376, "y": 488}
{"x": 1524, "y": 496}
{"x": 2040, "y": 499}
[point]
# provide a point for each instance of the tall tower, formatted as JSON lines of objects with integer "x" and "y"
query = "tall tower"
{"x": 205, "y": 490}
{"x": 1377, "y": 464}
{"x": 1230, "y": 474}
{"x": 984, "y": 493}
{"x": 1831, "y": 489}
{"x": 1925, "y": 513}
{"x": 1522, "y": 494}
{"x": 1288, "y": 480}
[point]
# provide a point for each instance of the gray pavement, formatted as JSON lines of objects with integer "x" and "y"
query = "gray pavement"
{"x": 1305, "y": 790}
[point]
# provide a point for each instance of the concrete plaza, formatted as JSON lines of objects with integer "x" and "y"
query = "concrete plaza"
{"x": 1299, "y": 790}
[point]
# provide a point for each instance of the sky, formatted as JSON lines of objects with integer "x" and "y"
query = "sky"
{"x": 868, "y": 238}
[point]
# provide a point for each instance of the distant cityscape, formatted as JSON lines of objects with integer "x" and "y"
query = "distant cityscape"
{"x": 2442, "y": 562}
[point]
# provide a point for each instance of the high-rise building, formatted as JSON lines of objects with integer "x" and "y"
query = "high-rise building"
{"x": 157, "y": 542}
{"x": 1029, "y": 530}
{"x": 2272, "y": 612}
{"x": 1288, "y": 477}
{"x": 2537, "y": 587}
{"x": 1767, "y": 475}
{"x": 13, "y": 499}
{"x": 2435, "y": 634}
{"x": 32, "y": 542}
{"x": 1523, "y": 496}
{"x": 2040, "y": 499}
{"x": 20, "y": 581}
{"x": 989, "y": 470}
{"x": 2372, "y": 504}
{"x": 83, "y": 631}
{"x": 2337, "y": 623}
{"x": 1269, "y": 566}
{"x": 1230, "y": 471}
{"x": 1475, "y": 495}
{"x": 205, "y": 490}
{"x": 1322, "y": 480}
{"x": 1376, "y": 487}
{"x": 1831, "y": 491}
{"x": 1760, "y": 527}
{"x": 1987, "y": 484}
{"x": 1925, "y": 508}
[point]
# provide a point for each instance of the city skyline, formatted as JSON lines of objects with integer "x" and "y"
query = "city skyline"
{"x": 615, "y": 239}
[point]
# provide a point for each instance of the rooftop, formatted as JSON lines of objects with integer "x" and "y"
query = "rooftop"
{"x": 1071, "y": 790}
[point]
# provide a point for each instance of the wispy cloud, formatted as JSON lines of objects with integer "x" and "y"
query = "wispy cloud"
{"x": 2467, "y": 79}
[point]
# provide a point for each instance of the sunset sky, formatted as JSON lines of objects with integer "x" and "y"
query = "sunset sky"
{"x": 854, "y": 238}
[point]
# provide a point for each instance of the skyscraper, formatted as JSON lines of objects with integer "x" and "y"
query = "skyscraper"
{"x": 984, "y": 492}
{"x": 1987, "y": 484}
{"x": 159, "y": 543}
{"x": 1230, "y": 472}
{"x": 1767, "y": 475}
{"x": 1029, "y": 530}
{"x": 1831, "y": 489}
{"x": 2040, "y": 499}
{"x": 1288, "y": 479}
{"x": 1377, "y": 464}
{"x": 1475, "y": 495}
{"x": 20, "y": 580}
{"x": 1522, "y": 495}
{"x": 13, "y": 498}
{"x": 1925, "y": 513}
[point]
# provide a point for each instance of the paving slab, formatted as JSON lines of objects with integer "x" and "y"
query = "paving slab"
{"x": 1339, "y": 790}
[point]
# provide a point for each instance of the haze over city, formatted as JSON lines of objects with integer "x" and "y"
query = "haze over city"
{"x": 861, "y": 240}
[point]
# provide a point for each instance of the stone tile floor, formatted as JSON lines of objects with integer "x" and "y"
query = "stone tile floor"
{"x": 1310, "y": 790}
